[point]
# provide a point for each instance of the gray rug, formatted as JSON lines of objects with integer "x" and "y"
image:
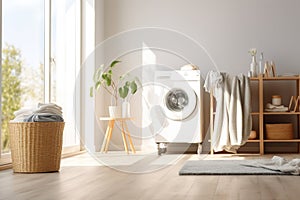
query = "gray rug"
{"x": 224, "y": 167}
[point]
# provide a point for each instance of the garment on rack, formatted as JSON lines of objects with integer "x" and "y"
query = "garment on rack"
{"x": 240, "y": 120}
{"x": 233, "y": 120}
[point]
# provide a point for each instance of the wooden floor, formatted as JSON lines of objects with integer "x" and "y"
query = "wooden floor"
{"x": 81, "y": 177}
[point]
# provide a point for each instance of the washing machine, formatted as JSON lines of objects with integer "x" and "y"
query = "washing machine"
{"x": 180, "y": 98}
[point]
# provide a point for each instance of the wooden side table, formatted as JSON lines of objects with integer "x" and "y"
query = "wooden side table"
{"x": 124, "y": 131}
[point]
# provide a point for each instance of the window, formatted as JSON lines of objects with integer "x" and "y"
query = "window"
{"x": 65, "y": 65}
{"x": 40, "y": 59}
{"x": 22, "y": 59}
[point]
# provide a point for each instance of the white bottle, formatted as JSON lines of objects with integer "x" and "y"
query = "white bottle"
{"x": 253, "y": 66}
{"x": 125, "y": 109}
{"x": 261, "y": 64}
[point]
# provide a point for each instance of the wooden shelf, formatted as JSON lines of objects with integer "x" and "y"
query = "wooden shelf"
{"x": 293, "y": 140}
{"x": 264, "y": 113}
{"x": 261, "y": 113}
{"x": 281, "y": 113}
{"x": 284, "y": 78}
{"x": 253, "y": 141}
{"x": 254, "y": 78}
{"x": 253, "y": 113}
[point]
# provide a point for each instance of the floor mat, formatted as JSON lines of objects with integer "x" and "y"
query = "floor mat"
{"x": 224, "y": 167}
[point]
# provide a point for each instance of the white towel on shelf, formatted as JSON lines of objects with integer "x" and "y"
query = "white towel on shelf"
{"x": 272, "y": 108}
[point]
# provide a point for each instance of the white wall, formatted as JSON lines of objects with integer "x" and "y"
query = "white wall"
{"x": 226, "y": 29}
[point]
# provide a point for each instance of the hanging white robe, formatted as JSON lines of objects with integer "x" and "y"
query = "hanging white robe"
{"x": 232, "y": 124}
{"x": 247, "y": 109}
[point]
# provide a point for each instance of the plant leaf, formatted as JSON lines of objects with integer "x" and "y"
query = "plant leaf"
{"x": 91, "y": 91}
{"x": 114, "y": 63}
{"x": 108, "y": 80}
{"x": 97, "y": 85}
{"x": 133, "y": 87}
{"x": 104, "y": 76}
{"x": 123, "y": 91}
{"x": 98, "y": 73}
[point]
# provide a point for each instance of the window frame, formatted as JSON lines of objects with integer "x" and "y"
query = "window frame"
{"x": 0, "y": 76}
{"x": 47, "y": 67}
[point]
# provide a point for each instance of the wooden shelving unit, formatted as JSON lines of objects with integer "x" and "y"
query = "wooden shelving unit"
{"x": 261, "y": 114}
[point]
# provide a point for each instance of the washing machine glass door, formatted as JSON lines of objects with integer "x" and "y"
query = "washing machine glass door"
{"x": 180, "y": 103}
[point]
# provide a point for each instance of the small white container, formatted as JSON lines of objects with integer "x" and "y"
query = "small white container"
{"x": 115, "y": 111}
{"x": 125, "y": 109}
{"x": 276, "y": 100}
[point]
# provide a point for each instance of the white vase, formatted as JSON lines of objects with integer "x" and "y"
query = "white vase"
{"x": 125, "y": 109}
{"x": 115, "y": 111}
{"x": 253, "y": 67}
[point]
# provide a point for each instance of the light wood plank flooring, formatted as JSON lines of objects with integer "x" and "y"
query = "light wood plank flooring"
{"x": 81, "y": 177}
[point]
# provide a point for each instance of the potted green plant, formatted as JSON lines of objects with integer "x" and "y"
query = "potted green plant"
{"x": 104, "y": 78}
{"x": 130, "y": 86}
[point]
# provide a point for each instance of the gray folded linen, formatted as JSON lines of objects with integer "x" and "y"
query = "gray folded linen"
{"x": 43, "y": 112}
{"x": 44, "y": 117}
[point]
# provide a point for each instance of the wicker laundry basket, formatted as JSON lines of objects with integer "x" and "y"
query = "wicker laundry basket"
{"x": 36, "y": 146}
{"x": 279, "y": 131}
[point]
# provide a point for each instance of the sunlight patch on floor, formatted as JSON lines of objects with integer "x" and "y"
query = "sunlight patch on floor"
{"x": 122, "y": 159}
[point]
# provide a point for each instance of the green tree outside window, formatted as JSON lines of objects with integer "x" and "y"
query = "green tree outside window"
{"x": 11, "y": 89}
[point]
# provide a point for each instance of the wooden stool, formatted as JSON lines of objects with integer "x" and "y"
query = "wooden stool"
{"x": 124, "y": 131}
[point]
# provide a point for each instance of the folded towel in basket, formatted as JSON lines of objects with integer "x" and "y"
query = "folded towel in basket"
{"x": 41, "y": 113}
{"x": 44, "y": 117}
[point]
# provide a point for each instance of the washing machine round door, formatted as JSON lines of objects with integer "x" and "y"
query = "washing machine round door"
{"x": 180, "y": 103}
